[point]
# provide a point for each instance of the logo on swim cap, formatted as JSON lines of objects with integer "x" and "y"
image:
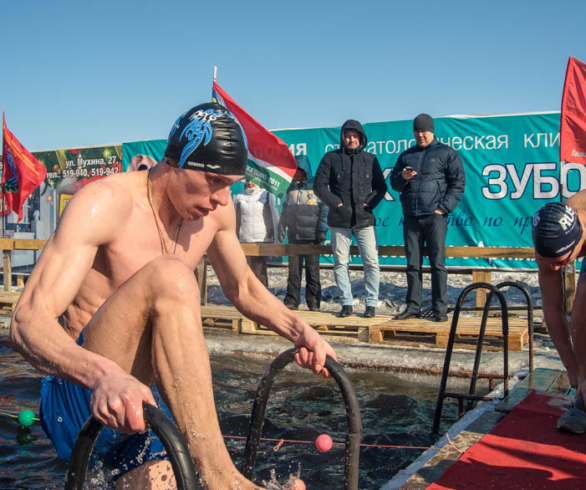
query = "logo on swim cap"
{"x": 198, "y": 130}
{"x": 556, "y": 230}
{"x": 208, "y": 138}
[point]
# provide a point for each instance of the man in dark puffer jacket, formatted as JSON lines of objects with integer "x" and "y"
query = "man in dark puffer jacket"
{"x": 350, "y": 181}
{"x": 430, "y": 177}
{"x": 304, "y": 215}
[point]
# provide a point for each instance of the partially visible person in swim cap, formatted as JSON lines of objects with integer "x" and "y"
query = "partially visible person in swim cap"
{"x": 556, "y": 230}
{"x": 559, "y": 239}
{"x": 208, "y": 138}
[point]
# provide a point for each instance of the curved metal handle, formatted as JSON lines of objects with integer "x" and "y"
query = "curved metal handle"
{"x": 160, "y": 424}
{"x": 352, "y": 416}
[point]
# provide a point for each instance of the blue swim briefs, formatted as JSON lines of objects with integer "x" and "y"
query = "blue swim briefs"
{"x": 64, "y": 409}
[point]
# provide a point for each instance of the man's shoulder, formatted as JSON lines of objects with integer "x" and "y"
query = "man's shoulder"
{"x": 368, "y": 155}
{"x": 116, "y": 187}
{"x": 332, "y": 154}
{"x": 578, "y": 203}
{"x": 409, "y": 151}
{"x": 439, "y": 146}
{"x": 111, "y": 196}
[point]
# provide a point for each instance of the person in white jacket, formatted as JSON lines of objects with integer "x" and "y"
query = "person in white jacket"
{"x": 256, "y": 222}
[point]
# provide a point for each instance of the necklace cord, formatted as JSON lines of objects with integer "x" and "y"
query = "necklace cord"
{"x": 164, "y": 249}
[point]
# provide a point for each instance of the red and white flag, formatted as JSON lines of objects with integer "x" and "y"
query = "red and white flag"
{"x": 573, "y": 116}
{"x": 270, "y": 163}
{"x": 22, "y": 173}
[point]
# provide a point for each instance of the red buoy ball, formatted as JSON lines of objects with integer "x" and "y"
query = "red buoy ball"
{"x": 324, "y": 443}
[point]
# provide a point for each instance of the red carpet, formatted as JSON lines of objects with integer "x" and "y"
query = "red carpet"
{"x": 524, "y": 451}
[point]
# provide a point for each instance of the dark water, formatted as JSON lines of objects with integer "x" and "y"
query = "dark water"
{"x": 301, "y": 406}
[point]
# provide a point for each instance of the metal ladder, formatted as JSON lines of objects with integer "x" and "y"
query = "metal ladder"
{"x": 471, "y": 397}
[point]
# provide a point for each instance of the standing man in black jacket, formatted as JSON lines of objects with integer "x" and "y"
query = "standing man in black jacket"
{"x": 430, "y": 177}
{"x": 350, "y": 181}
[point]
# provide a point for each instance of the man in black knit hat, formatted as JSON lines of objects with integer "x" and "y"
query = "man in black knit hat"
{"x": 430, "y": 177}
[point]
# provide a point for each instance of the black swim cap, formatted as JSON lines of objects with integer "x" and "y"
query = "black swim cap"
{"x": 556, "y": 230}
{"x": 208, "y": 138}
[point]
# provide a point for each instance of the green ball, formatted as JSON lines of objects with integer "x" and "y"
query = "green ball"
{"x": 25, "y": 418}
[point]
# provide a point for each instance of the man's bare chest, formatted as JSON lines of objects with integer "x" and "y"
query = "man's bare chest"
{"x": 135, "y": 246}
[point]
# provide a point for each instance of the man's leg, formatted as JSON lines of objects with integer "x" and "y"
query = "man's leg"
{"x": 574, "y": 420}
{"x": 293, "y": 296}
{"x": 413, "y": 252}
{"x": 341, "y": 240}
{"x": 435, "y": 228}
{"x": 312, "y": 281}
{"x": 367, "y": 244}
{"x": 578, "y": 332}
{"x": 151, "y": 327}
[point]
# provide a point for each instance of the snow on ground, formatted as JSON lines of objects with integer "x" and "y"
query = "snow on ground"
{"x": 393, "y": 289}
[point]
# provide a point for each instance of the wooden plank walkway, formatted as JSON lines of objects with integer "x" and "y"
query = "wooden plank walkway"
{"x": 382, "y": 329}
{"x": 425, "y": 332}
{"x": 378, "y": 330}
{"x": 328, "y": 324}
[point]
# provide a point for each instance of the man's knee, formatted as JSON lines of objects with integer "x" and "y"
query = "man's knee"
{"x": 170, "y": 276}
{"x": 341, "y": 260}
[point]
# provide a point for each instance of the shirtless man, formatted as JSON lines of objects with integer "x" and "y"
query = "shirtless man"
{"x": 559, "y": 239}
{"x": 119, "y": 270}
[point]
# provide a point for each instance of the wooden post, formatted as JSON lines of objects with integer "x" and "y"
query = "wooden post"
{"x": 7, "y": 264}
{"x": 481, "y": 276}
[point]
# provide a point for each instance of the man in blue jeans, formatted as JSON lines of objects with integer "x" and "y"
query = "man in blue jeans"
{"x": 350, "y": 181}
{"x": 430, "y": 177}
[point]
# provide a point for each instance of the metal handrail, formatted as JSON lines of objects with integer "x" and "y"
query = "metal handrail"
{"x": 452, "y": 338}
{"x": 160, "y": 424}
{"x": 352, "y": 455}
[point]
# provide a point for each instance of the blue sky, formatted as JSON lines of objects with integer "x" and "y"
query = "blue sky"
{"x": 77, "y": 73}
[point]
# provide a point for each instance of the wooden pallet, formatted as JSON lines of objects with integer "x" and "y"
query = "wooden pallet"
{"x": 8, "y": 299}
{"x": 224, "y": 317}
{"x": 431, "y": 334}
{"x": 349, "y": 328}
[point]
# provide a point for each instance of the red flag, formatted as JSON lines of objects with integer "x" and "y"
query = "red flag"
{"x": 270, "y": 163}
{"x": 573, "y": 117}
{"x": 22, "y": 173}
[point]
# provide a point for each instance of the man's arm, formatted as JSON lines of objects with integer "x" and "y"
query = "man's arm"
{"x": 554, "y": 313}
{"x": 90, "y": 219}
{"x": 398, "y": 181}
{"x": 579, "y": 332}
{"x": 254, "y": 301}
{"x": 379, "y": 186}
{"x": 321, "y": 183}
{"x": 456, "y": 180}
